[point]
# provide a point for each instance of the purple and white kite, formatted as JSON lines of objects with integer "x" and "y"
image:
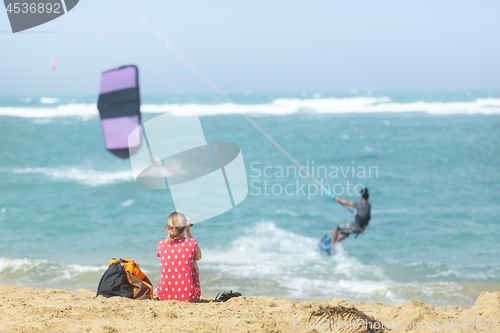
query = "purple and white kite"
{"x": 119, "y": 108}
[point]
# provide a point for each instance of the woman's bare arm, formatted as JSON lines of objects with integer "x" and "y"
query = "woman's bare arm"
{"x": 189, "y": 235}
{"x": 198, "y": 256}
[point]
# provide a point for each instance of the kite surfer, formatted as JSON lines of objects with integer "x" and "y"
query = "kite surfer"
{"x": 360, "y": 222}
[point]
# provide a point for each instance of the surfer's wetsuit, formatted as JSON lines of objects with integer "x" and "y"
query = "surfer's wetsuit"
{"x": 361, "y": 220}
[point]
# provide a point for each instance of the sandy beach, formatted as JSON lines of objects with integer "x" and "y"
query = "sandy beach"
{"x": 25, "y": 309}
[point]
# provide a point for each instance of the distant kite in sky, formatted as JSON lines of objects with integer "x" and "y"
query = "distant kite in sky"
{"x": 53, "y": 64}
{"x": 119, "y": 108}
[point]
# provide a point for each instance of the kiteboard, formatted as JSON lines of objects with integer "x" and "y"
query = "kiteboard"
{"x": 324, "y": 243}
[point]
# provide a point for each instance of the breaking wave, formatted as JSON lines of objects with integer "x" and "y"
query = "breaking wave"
{"x": 85, "y": 177}
{"x": 280, "y": 106}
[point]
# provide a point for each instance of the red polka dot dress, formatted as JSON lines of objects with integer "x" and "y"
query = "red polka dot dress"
{"x": 179, "y": 279}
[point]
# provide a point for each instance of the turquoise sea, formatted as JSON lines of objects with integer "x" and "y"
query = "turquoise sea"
{"x": 431, "y": 161}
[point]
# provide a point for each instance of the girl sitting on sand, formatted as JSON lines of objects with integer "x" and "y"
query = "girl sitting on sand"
{"x": 179, "y": 254}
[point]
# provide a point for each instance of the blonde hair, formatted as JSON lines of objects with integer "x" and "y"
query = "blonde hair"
{"x": 176, "y": 224}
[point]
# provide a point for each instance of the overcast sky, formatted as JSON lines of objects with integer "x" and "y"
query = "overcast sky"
{"x": 260, "y": 46}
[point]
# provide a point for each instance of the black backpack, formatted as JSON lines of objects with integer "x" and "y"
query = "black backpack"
{"x": 114, "y": 282}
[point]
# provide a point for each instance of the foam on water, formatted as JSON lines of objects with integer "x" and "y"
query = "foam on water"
{"x": 62, "y": 110}
{"x": 86, "y": 177}
{"x": 270, "y": 260}
{"x": 127, "y": 203}
{"x": 293, "y": 261}
{"x": 48, "y": 100}
{"x": 286, "y": 106}
{"x": 279, "y": 106}
{"x": 44, "y": 273}
{"x": 437, "y": 270}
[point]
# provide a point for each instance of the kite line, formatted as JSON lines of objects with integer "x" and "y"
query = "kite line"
{"x": 188, "y": 63}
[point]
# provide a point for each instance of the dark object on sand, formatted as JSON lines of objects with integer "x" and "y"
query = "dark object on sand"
{"x": 114, "y": 282}
{"x": 124, "y": 278}
{"x": 225, "y": 295}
